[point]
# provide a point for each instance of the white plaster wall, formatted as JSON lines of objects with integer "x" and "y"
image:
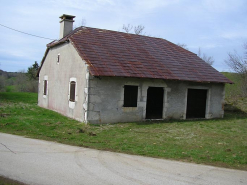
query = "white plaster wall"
{"x": 59, "y": 74}
{"x": 106, "y": 99}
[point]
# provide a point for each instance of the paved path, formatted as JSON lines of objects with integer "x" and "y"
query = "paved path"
{"x": 40, "y": 162}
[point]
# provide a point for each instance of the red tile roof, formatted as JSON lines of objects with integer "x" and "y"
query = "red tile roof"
{"x": 111, "y": 53}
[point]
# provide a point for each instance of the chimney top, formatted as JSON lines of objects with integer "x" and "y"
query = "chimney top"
{"x": 66, "y": 24}
{"x": 67, "y": 17}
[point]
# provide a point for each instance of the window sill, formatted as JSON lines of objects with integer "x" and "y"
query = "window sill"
{"x": 129, "y": 109}
{"x": 71, "y": 104}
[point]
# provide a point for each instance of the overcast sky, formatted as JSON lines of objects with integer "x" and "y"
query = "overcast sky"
{"x": 216, "y": 26}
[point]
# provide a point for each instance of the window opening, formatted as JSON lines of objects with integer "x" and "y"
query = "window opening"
{"x": 58, "y": 58}
{"x": 45, "y": 87}
{"x": 72, "y": 91}
{"x": 130, "y": 96}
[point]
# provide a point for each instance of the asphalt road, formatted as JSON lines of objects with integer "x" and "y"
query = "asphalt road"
{"x": 41, "y": 162}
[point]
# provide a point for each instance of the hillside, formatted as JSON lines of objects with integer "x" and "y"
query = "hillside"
{"x": 8, "y": 74}
{"x": 17, "y": 82}
{"x": 234, "y": 101}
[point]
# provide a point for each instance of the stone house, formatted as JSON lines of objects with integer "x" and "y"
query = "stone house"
{"x": 102, "y": 76}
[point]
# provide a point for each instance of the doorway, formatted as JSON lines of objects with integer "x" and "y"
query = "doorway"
{"x": 196, "y": 103}
{"x": 154, "y": 106}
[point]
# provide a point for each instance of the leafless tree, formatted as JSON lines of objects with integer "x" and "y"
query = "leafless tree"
{"x": 138, "y": 30}
{"x": 203, "y": 56}
{"x": 207, "y": 59}
{"x": 21, "y": 81}
{"x": 127, "y": 28}
{"x": 239, "y": 65}
{"x": 83, "y": 24}
{"x": 183, "y": 46}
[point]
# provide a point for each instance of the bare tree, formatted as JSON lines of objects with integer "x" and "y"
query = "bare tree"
{"x": 83, "y": 24}
{"x": 203, "y": 56}
{"x": 127, "y": 28}
{"x": 239, "y": 65}
{"x": 207, "y": 59}
{"x": 183, "y": 46}
{"x": 21, "y": 81}
{"x": 139, "y": 29}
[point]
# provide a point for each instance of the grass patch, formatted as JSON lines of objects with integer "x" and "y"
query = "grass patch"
{"x": 234, "y": 99}
{"x": 218, "y": 142}
{"x": 7, "y": 181}
{"x": 232, "y": 90}
{"x": 10, "y": 88}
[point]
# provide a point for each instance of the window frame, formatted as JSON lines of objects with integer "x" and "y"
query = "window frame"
{"x": 72, "y": 95}
{"x": 72, "y": 102}
{"x": 58, "y": 58}
{"x": 45, "y": 89}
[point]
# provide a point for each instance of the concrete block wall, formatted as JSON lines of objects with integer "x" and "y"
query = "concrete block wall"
{"x": 106, "y": 97}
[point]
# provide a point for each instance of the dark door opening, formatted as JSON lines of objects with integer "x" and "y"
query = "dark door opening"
{"x": 196, "y": 103}
{"x": 154, "y": 107}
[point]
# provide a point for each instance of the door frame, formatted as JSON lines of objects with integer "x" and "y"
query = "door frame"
{"x": 162, "y": 107}
{"x": 207, "y": 114}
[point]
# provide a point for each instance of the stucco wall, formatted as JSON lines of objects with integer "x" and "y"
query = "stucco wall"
{"x": 106, "y": 96}
{"x": 59, "y": 74}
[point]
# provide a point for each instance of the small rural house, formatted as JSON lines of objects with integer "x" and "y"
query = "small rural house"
{"x": 102, "y": 76}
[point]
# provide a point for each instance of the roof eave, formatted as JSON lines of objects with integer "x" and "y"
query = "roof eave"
{"x": 48, "y": 46}
{"x": 218, "y": 82}
{"x": 42, "y": 61}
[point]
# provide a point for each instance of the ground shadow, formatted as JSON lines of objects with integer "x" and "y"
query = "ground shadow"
{"x": 231, "y": 112}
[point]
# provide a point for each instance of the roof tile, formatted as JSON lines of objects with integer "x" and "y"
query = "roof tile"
{"x": 111, "y": 53}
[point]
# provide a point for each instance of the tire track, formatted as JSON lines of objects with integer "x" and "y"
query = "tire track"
{"x": 93, "y": 176}
{"x": 104, "y": 163}
{"x": 126, "y": 160}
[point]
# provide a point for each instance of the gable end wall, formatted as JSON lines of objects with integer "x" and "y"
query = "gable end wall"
{"x": 70, "y": 66}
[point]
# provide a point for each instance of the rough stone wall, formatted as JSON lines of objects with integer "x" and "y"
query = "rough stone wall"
{"x": 177, "y": 99}
{"x": 58, "y": 75}
{"x": 106, "y": 97}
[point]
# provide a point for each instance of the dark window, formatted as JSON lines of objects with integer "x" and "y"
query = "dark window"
{"x": 58, "y": 58}
{"x": 130, "y": 96}
{"x": 196, "y": 103}
{"x": 72, "y": 90}
{"x": 45, "y": 87}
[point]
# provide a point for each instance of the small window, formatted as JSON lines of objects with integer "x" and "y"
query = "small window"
{"x": 58, "y": 58}
{"x": 72, "y": 91}
{"x": 45, "y": 87}
{"x": 130, "y": 96}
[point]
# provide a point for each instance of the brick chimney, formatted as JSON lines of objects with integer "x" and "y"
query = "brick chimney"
{"x": 66, "y": 24}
